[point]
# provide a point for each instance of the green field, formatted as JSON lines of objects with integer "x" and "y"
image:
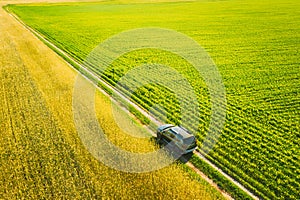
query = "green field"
{"x": 41, "y": 155}
{"x": 255, "y": 45}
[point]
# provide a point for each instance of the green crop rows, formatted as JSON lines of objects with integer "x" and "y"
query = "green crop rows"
{"x": 255, "y": 45}
{"x": 41, "y": 155}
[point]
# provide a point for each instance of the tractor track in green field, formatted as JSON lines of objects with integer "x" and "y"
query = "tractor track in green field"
{"x": 90, "y": 76}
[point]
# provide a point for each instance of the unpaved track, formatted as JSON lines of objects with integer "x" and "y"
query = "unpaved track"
{"x": 13, "y": 33}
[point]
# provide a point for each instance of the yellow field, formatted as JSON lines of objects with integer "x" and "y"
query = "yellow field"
{"x": 41, "y": 155}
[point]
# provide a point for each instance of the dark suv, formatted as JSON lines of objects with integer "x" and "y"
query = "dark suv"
{"x": 182, "y": 139}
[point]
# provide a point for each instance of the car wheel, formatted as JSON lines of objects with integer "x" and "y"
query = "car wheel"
{"x": 158, "y": 137}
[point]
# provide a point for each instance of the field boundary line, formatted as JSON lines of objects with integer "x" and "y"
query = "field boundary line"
{"x": 123, "y": 97}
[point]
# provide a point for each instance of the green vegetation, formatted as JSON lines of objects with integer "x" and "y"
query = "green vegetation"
{"x": 255, "y": 45}
{"x": 218, "y": 178}
{"x": 41, "y": 155}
